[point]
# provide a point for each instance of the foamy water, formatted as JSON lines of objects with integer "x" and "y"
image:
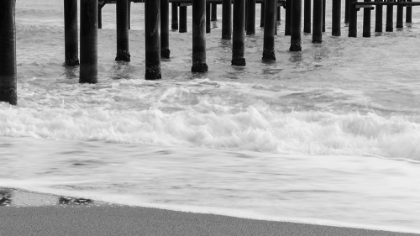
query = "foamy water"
{"x": 330, "y": 135}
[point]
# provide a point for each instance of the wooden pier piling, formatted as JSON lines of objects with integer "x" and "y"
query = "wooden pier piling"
{"x": 324, "y": 10}
{"x": 307, "y": 17}
{"x": 208, "y": 18}
{"x": 100, "y": 16}
{"x": 214, "y": 12}
{"x": 238, "y": 40}
{"x": 164, "y": 29}
{"x": 183, "y": 19}
{"x": 287, "y": 30}
{"x": 88, "y": 41}
{"x": 123, "y": 52}
{"x": 250, "y": 29}
{"x": 366, "y": 20}
{"x": 8, "y": 71}
{"x": 227, "y": 19}
{"x": 71, "y": 36}
{"x": 347, "y": 11}
{"x": 174, "y": 16}
{"x": 246, "y": 14}
{"x": 336, "y": 17}
{"x": 352, "y": 19}
{"x": 276, "y": 25}
{"x": 378, "y": 18}
{"x": 129, "y": 15}
{"x": 269, "y": 31}
{"x": 389, "y": 18}
{"x": 262, "y": 14}
{"x": 409, "y": 13}
{"x": 199, "y": 37}
{"x": 317, "y": 21}
{"x": 296, "y": 26}
{"x": 400, "y": 11}
{"x": 152, "y": 39}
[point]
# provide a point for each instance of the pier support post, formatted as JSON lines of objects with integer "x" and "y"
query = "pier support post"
{"x": 336, "y": 18}
{"x": 378, "y": 18}
{"x": 307, "y": 17}
{"x": 400, "y": 12}
{"x": 250, "y": 29}
{"x": 324, "y": 9}
{"x": 164, "y": 27}
{"x": 278, "y": 14}
{"x": 347, "y": 11}
{"x": 246, "y": 14}
{"x": 199, "y": 37}
{"x": 123, "y": 52}
{"x": 276, "y": 25}
{"x": 88, "y": 41}
{"x": 214, "y": 12}
{"x": 227, "y": 19}
{"x": 238, "y": 41}
{"x": 269, "y": 30}
{"x": 296, "y": 28}
{"x": 317, "y": 22}
{"x": 352, "y": 19}
{"x": 208, "y": 18}
{"x": 262, "y": 14}
{"x": 288, "y": 20}
{"x": 129, "y": 15}
{"x": 389, "y": 18}
{"x": 183, "y": 19}
{"x": 409, "y": 13}
{"x": 70, "y": 33}
{"x": 174, "y": 16}
{"x": 152, "y": 39}
{"x": 8, "y": 71}
{"x": 366, "y": 21}
{"x": 100, "y": 17}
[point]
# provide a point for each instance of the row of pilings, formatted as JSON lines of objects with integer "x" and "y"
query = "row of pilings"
{"x": 234, "y": 27}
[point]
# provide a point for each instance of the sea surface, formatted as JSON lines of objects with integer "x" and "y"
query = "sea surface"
{"x": 329, "y": 135}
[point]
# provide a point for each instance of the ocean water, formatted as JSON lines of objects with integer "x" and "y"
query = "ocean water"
{"x": 329, "y": 135}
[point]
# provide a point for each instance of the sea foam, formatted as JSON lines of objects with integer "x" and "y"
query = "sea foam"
{"x": 205, "y": 114}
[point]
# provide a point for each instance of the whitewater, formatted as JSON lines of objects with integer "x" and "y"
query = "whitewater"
{"x": 329, "y": 135}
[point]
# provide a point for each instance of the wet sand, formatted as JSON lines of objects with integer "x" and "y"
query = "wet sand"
{"x": 27, "y": 213}
{"x": 124, "y": 220}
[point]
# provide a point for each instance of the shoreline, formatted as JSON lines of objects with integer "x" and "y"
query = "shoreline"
{"x": 48, "y": 214}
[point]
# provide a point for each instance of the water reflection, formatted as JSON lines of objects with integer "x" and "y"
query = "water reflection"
{"x": 121, "y": 70}
{"x": 71, "y": 72}
{"x": 295, "y": 57}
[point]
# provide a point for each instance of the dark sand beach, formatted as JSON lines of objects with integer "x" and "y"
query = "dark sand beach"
{"x": 27, "y": 213}
{"x": 123, "y": 220}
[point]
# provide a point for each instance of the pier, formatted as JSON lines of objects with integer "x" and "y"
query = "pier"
{"x": 238, "y": 22}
